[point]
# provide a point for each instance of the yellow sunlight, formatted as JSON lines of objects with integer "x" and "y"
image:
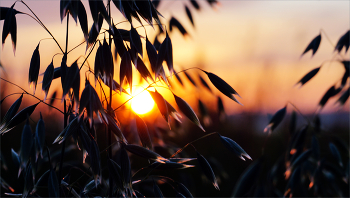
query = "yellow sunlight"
{"x": 142, "y": 103}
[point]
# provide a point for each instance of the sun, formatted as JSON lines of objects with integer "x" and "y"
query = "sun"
{"x": 142, "y": 103}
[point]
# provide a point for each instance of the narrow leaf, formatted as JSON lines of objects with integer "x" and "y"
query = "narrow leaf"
{"x": 247, "y": 179}
{"x": 308, "y": 76}
{"x": 11, "y": 112}
{"x": 178, "y": 78}
{"x": 53, "y": 97}
{"x": 188, "y": 111}
{"x": 344, "y": 97}
{"x": 141, "y": 67}
{"x": 57, "y": 73}
{"x": 161, "y": 104}
{"x": 169, "y": 165}
{"x": 204, "y": 83}
{"x": 26, "y": 144}
{"x": 301, "y": 158}
{"x": 83, "y": 19}
{"x": 221, "y": 109}
{"x": 190, "y": 78}
{"x": 276, "y": 120}
{"x": 68, "y": 131}
{"x": 108, "y": 60}
{"x": 162, "y": 54}
{"x": 115, "y": 173}
{"x": 222, "y": 86}
{"x": 10, "y": 26}
{"x": 343, "y": 42}
{"x": 48, "y": 77}
{"x": 53, "y": 186}
{"x": 189, "y": 15}
{"x": 145, "y": 11}
{"x": 144, "y": 152}
{"x": 204, "y": 113}
{"x": 156, "y": 190}
{"x": 90, "y": 101}
{"x": 175, "y": 23}
{"x": 113, "y": 125}
{"x": 234, "y": 148}
{"x": 207, "y": 170}
{"x": 335, "y": 153}
{"x": 125, "y": 166}
{"x": 332, "y": 91}
{"x": 172, "y": 112}
{"x": 15, "y": 159}
{"x": 28, "y": 181}
{"x": 195, "y": 4}
{"x": 135, "y": 40}
{"x": 143, "y": 132}
{"x": 19, "y": 118}
{"x": 125, "y": 71}
{"x": 94, "y": 31}
{"x": 63, "y": 9}
{"x": 94, "y": 11}
{"x": 314, "y": 44}
{"x": 346, "y": 75}
{"x": 34, "y": 67}
{"x": 118, "y": 42}
{"x": 169, "y": 54}
{"x": 183, "y": 190}
{"x": 72, "y": 80}
{"x": 90, "y": 186}
{"x": 40, "y": 135}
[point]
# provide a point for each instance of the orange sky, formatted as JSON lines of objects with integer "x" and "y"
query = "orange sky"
{"x": 254, "y": 45}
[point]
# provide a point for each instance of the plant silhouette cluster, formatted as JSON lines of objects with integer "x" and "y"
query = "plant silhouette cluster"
{"x": 89, "y": 112}
{"x": 307, "y": 168}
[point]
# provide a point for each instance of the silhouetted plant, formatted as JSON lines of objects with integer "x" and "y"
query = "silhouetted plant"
{"x": 303, "y": 170}
{"x": 110, "y": 174}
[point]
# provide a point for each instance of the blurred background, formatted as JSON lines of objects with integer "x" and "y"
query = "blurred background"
{"x": 255, "y": 46}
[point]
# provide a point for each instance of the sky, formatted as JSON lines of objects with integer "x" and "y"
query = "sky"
{"x": 255, "y": 46}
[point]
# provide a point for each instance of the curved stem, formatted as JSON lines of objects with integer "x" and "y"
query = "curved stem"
{"x": 65, "y": 114}
{"x": 329, "y": 40}
{"x": 109, "y": 131}
{"x": 190, "y": 143}
{"x": 31, "y": 95}
{"x": 76, "y": 47}
{"x": 42, "y": 24}
{"x": 87, "y": 55}
{"x": 299, "y": 111}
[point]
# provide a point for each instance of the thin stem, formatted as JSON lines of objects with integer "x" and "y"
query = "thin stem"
{"x": 65, "y": 113}
{"x": 88, "y": 55}
{"x": 190, "y": 143}
{"x": 67, "y": 35}
{"x": 42, "y": 24}
{"x": 76, "y": 47}
{"x": 329, "y": 40}
{"x": 25, "y": 92}
{"x": 110, "y": 106}
{"x": 299, "y": 112}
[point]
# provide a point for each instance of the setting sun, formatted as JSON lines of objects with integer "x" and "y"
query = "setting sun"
{"x": 142, "y": 102}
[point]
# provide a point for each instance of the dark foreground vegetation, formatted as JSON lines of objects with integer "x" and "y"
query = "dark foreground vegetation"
{"x": 84, "y": 146}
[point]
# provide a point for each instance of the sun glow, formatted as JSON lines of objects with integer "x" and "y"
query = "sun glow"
{"x": 142, "y": 102}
